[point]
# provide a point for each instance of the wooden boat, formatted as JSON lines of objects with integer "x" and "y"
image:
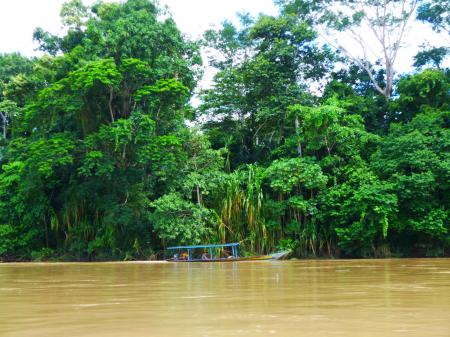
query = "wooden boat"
{"x": 228, "y": 252}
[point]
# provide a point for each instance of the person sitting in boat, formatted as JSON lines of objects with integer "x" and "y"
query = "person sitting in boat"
{"x": 226, "y": 254}
{"x": 205, "y": 256}
{"x": 185, "y": 256}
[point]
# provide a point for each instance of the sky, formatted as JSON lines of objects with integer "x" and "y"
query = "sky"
{"x": 19, "y": 18}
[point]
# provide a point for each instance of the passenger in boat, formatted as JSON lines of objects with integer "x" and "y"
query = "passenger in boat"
{"x": 205, "y": 256}
{"x": 184, "y": 256}
{"x": 226, "y": 254}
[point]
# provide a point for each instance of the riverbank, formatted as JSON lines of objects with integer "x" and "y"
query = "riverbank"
{"x": 293, "y": 259}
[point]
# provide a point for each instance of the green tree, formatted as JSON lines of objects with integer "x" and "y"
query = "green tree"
{"x": 368, "y": 23}
{"x": 204, "y": 167}
{"x": 433, "y": 56}
{"x": 267, "y": 65}
{"x": 436, "y": 13}
{"x": 360, "y": 209}
{"x": 422, "y": 92}
{"x": 414, "y": 159}
{"x": 177, "y": 221}
{"x": 99, "y": 132}
{"x": 297, "y": 181}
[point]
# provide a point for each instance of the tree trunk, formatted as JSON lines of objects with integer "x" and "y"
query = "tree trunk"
{"x": 199, "y": 195}
{"x": 299, "y": 145}
{"x": 111, "y": 112}
{"x": 5, "y": 123}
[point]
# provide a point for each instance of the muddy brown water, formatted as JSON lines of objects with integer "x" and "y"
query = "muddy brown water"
{"x": 404, "y": 297}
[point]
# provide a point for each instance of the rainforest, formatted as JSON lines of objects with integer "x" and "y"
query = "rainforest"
{"x": 111, "y": 150}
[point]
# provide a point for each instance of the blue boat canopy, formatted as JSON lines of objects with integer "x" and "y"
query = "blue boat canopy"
{"x": 205, "y": 246}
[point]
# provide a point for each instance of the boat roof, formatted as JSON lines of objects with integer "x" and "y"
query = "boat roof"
{"x": 206, "y": 246}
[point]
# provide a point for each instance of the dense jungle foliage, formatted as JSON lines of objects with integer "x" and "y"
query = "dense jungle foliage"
{"x": 104, "y": 157}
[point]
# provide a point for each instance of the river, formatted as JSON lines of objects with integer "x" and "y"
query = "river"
{"x": 351, "y": 298}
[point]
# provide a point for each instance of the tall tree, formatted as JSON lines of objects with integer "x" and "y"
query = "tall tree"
{"x": 276, "y": 57}
{"x": 12, "y": 66}
{"x": 377, "y": 30}
{"x": 102, "y": 132}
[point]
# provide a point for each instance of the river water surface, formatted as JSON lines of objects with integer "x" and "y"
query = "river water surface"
{"x": 351, "y": 298}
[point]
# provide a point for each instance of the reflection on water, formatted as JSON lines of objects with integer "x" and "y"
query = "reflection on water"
{"x": 294, "y": 298}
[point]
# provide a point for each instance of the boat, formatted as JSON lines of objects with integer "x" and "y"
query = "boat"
{"x": 227, "y": 252}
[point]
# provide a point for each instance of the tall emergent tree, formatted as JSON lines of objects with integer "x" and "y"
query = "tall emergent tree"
{"x": 377, "y": 30}
{"x": 264, "y": 68}
{"x": 101, "y": 133}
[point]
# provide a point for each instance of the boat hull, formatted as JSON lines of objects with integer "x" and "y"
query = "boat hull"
{"x": 275, "y": 256}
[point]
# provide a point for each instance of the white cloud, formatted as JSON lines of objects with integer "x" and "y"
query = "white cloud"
{"x": 195, "y": 16}
{"x": 19, "y": 18}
